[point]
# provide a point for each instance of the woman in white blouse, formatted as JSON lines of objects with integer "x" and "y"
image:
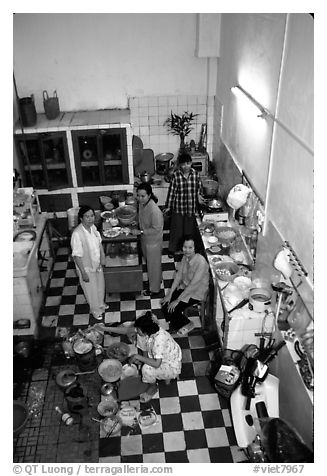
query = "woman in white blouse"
{"x": 89, "y": 258}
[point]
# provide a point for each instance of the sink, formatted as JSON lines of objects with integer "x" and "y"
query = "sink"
{"x": 21, "y": 252}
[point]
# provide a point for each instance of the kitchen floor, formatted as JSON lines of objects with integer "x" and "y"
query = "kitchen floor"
{"x": 193, "y": 421}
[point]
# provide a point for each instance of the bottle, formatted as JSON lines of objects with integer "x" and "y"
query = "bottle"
{"x": 67, "y": 347}
{"x": 66, "y": 418}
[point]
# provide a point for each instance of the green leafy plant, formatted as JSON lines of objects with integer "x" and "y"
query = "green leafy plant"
{"x": 180, "y": 125}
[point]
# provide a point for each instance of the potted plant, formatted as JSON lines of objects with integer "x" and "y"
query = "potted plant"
{"x": 180, "y": 125}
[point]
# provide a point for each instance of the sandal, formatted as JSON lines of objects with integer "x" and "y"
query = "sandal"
{"x": 183, "y": 331}
{"x": 147, "y": 396}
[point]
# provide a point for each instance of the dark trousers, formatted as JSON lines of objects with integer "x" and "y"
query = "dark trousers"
{"x": 181, "y": 225}
{"x": 176, "y": 318}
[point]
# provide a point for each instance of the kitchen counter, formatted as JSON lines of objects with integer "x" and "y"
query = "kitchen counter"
{"x": 80, "y": 120}
{"x": 239, "y": 328}
{"x": 21, "y": 263}
{"x": 30, "y": 278}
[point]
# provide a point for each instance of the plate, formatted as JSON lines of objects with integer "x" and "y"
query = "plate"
{"x": 212, "y": 240}
{"x": 112, "y": 232}
{"x": 215, "y": 249}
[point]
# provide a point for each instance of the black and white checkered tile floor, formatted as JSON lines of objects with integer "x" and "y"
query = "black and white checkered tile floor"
{"x": 194, "y": 423}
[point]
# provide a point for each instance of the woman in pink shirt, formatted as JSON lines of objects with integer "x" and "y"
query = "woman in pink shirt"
{"x": 189, "y": 287}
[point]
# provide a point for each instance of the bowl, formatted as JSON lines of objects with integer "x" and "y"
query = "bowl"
{"x": 226, "y": 235}
{"x": 129, "y": 370}
{"x": 112, "y": 425}
{"x": 226, "y": 271}
{"x": 126, "y": 214}
{"x": 110, "y": 370}
{"x": 109, "y": 206}
{"x": 106, "y": 214}
{"x": 23, "y": 349}
{"x": 104, "y": 199}
{"x": 107, "y": 408}
{"x": 119, "y": 351}
{"x": 20, "y": 416}
{"x": 208, "y": 229}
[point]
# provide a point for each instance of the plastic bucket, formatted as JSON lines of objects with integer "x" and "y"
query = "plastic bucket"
{"x": 72, "y": 215}
{"x": 27, "y": 111}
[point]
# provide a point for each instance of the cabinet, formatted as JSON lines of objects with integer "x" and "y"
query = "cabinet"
{"x": 100, "y": 157}
{"x": 123, "y": 268}
{"x": 44, "y": 160}
{"x": 76, "y": 154}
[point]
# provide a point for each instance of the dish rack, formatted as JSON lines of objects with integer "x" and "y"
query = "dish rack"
{"x": 25, "y": 209}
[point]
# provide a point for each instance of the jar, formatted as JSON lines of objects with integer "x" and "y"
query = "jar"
{"x": 299, "y": 321}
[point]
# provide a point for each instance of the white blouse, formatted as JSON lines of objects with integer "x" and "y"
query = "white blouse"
{"x": 93, "y": 239}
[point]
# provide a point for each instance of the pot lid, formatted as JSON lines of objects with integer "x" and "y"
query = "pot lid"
{"x": 164, "y": 157}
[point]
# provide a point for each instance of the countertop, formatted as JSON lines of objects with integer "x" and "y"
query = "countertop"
{"x": 79, "y": 120}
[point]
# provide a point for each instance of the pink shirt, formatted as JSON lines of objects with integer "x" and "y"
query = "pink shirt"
{"x": 193, "y": 277}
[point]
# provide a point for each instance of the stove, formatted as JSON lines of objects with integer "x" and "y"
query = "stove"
{"x": 215, "y": 216}
{"x": 220, "y": 214}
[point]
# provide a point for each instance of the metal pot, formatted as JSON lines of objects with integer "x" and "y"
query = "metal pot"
{"x": 66, "y": 378}
{"x": 259, "y": 299}
{"x": 108, "y": 390}
{"x": 214, "y": 204}
{"x": 145, "y": 177}
{"x": 210, "y": 187}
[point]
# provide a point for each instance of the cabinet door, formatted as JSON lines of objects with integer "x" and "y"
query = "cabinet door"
{"x": 55, "y": 153}
{"x": 114, "y": 153}
{"x": 31, "y": 163}
{"x": 44, "y": 160}
{"x": 87, "y": 161}
{"x": 100, "y": 157}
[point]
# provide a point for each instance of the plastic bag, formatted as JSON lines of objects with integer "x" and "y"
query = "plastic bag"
{"x": 237, "y": 196}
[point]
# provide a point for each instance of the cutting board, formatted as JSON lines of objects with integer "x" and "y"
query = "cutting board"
{"x": 131, "y": 388}
{"x": 147, "y": 162}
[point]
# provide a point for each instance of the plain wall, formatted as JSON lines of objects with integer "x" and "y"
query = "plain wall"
{"x": 271, "y": 56}
{"x": 275, "y": 51}
{"x": 96, "y": 61}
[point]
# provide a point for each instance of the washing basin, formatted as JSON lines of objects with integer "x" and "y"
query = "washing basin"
{"x": 21, "y": 253}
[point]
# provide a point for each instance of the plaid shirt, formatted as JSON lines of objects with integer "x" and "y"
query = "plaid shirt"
{"x": 183, "y": 193}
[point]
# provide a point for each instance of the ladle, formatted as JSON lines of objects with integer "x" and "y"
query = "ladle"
{"x": 281, "y": 289}
{"x": 71, "y": 372}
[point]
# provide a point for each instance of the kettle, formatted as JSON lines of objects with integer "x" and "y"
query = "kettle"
{"x": 145, "y": 176}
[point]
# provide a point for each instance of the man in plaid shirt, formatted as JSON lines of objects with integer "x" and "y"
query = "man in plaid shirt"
{"x": 182, "y": 201}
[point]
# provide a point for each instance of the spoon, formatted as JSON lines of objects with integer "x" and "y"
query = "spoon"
{"x": 95, "y": 419}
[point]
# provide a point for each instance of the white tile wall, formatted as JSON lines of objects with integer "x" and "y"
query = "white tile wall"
{"x": 148, "y": 114}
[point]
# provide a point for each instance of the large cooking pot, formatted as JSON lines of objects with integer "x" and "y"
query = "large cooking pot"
{"x": 210, "y": 187}
{"x": 162, "y": 162}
